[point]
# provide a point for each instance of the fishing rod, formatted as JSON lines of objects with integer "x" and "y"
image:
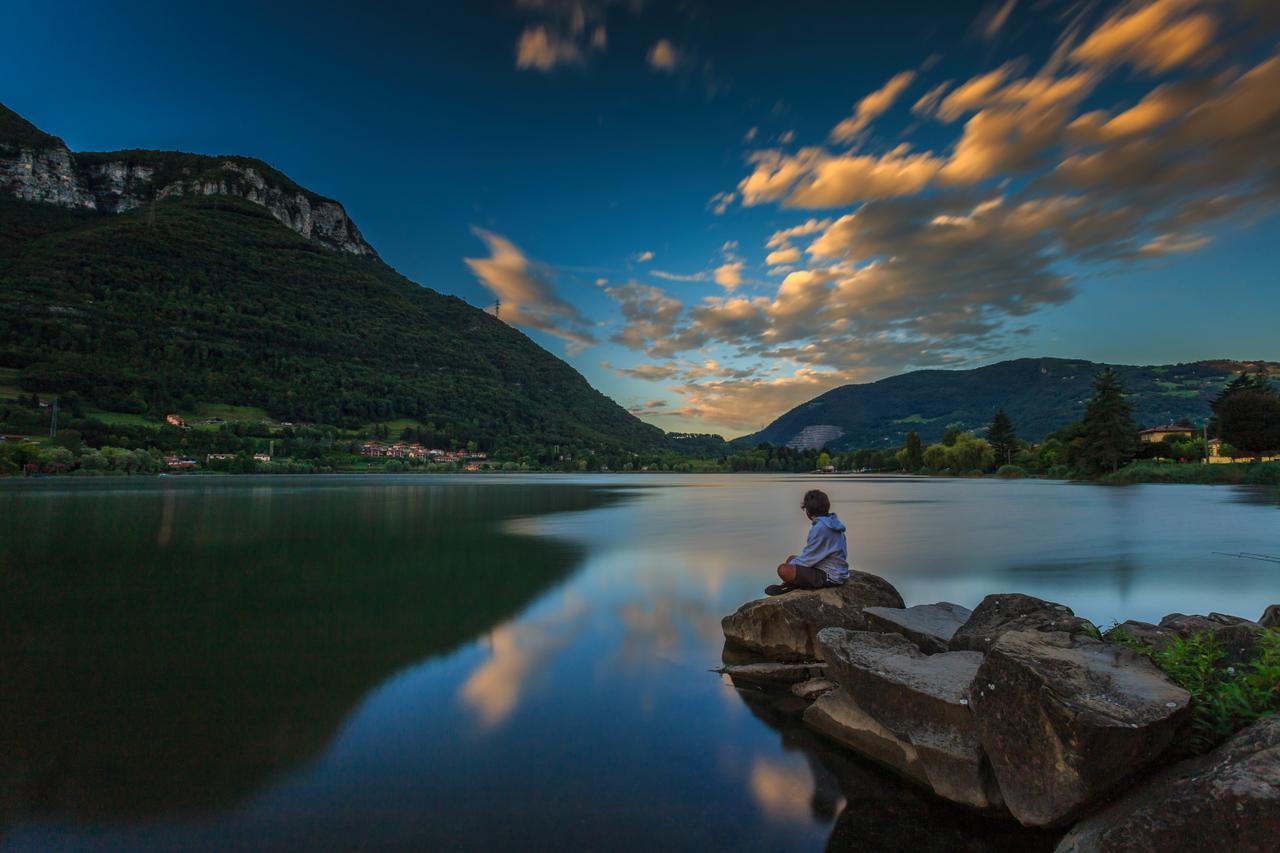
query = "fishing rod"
{"x": 1244, "y": 555}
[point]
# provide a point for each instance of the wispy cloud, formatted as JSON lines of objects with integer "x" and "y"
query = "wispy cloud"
{"x": 527, "y": 292}
{"x": 663, "y": 56}
{"x": 567, "y": 32}
{"x": 678, "y": 276}
{"x": 994, "y": 19}
{"x": 871, "y": 107}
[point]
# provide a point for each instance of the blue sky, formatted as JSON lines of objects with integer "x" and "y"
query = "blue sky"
{"x": 982, "y": 181}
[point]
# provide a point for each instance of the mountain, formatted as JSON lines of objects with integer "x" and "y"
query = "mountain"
{"x": 1040, "y": 395}
{"x": 147, "y": 281}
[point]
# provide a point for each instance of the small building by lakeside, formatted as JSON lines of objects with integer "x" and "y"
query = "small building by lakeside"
{"x": 1217, "y": 455}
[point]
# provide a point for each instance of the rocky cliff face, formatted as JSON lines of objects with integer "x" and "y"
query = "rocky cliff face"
{"x": 46, "y": 176}
{"x": 40, "y": 168}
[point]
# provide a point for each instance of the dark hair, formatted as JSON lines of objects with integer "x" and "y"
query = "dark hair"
{"x": 816, "y": 503}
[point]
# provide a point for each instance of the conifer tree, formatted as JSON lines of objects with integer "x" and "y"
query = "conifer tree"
{"x": 1110, "y": 434}
{"x": 913, "y": 452}
{"x": 1002, "y": 437}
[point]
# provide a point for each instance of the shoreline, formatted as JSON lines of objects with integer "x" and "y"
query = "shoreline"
{"x": 1271, "y": 475}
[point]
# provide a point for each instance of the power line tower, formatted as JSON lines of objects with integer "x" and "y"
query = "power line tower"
{"x": 53, "y": 419}
{"x": 497, "y": 308}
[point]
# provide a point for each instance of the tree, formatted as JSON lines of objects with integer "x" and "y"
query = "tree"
{"x": 1110, "y": 436}
{"x": 913, "y": 452}
{"x": 1002, "y": 437}
{"x": 950, "y": 434}
{"x": 1243, "y": 382}
{"x": 1249, "y": 420}
{"x": 969, "y": 453}
{"x": 935, "y": 457}
{"x": 824, "y": 460}
{"x": 68, "y": 438}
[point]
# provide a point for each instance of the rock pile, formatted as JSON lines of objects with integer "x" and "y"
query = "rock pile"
{"x": 1019, "y": 708}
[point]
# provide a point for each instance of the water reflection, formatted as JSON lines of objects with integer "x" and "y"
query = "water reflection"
{"x": 516, "y": 652}
{"x": 171, "y": 649}
{"x": 492, "y": 662}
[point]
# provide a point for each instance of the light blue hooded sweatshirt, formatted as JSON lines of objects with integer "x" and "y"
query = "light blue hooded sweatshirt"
{"x": 826, "y": 548}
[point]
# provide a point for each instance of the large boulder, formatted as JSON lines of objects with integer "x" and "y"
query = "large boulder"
{"x": 923, "y": 700}
{"x": 929, "y": 626}
{"x": 1014, "y": 611}
{"x": 838, "y": 716}
{"x": 785, "y": 627}
{"x": 1226, "y": 800}
{"x": 1064, "y": 718}
{"x": 1236, "y": 636}
{"x": 1144, "y": 632}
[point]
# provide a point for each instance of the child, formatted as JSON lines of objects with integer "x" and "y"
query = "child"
{"x": 825, "y": 558}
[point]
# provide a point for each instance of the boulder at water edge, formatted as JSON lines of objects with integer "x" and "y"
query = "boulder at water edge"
{"x": 1014, "y": 611}
{"x": 784, "y": 627}
{"x": 929, "y": 626}
{"x": 1226, "y": 800}
{"x": 1145, "y": 633}
{"x": 1235, "y": 636}
{"x": 838, "y": 716}
{"x": 1065, "y": 717}
{"x": 923, "y": 700}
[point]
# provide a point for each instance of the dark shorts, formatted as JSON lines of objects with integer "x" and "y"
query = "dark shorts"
{"x": 810, "y": 577}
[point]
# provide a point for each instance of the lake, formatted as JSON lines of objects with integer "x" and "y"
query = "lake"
{"x": 479, "y": 662}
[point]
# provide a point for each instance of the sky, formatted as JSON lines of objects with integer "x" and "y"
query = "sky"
{"x": 716, "y": 211}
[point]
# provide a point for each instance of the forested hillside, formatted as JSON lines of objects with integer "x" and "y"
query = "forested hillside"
{"x": 210, "y": 299}
{"x": 1041, "y": 395}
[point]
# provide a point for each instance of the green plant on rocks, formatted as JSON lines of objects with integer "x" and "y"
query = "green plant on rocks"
{"x": 1224, "y": 699}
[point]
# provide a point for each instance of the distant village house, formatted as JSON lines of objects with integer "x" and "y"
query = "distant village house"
{"x": 1160, "y": 433}
{"x": 404, "y": 450}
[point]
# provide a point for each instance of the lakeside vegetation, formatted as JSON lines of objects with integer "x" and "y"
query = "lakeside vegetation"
{"x": 1103, "y": 446}
{"x": 1224, "y": 699}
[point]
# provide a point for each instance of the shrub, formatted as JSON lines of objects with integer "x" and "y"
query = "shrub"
{"x": 1266, "y": 474}
{"x": 1224, "y": 699}
{"x": 1011, "y": 472}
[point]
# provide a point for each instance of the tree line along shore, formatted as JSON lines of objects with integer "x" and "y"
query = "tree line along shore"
{"x": 1103, "y": 445}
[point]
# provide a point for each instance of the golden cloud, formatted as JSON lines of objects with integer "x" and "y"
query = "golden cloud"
{"x": 663, "y": 56}
{"x": 1156, "y": 36}
{"x": 526, "y": 291}
{"x": 872, "y": 107}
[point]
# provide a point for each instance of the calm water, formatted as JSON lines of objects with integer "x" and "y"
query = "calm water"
{"x": 481, "y": 662}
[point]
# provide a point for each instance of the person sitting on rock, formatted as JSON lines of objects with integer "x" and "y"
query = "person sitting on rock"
{"x": 825, "y": 558}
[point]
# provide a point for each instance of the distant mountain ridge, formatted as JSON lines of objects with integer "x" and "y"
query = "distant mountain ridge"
{"x": 148, "y": 282}
{"x": 1040, "y": 394}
